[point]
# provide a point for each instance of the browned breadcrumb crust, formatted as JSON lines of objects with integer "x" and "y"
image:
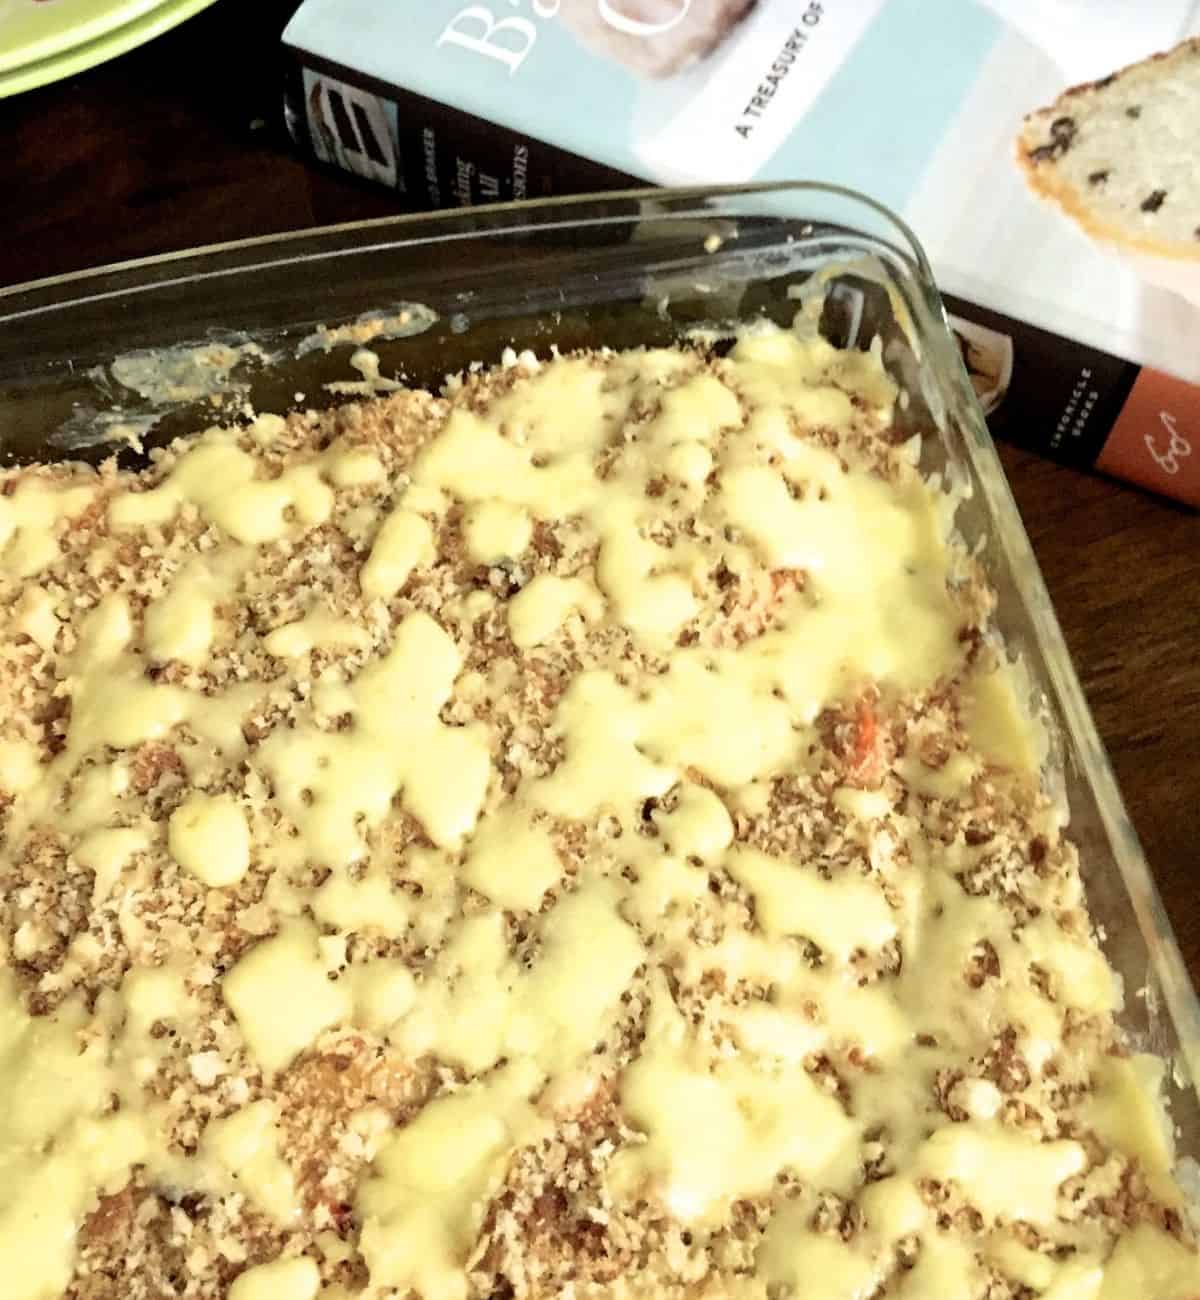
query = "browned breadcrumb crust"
{"x": 553, "y": 1229}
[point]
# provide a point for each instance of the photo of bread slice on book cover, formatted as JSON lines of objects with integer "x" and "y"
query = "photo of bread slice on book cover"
{"x": 987, "y": 356}
{"x": 1121, "y": 158}
{"x": 653, "y": 38}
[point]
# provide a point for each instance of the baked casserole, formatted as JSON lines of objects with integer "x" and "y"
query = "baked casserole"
{"x": 569, "y": 835}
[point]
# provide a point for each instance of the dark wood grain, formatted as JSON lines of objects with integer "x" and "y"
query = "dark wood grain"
{"x": 181, "y": 144}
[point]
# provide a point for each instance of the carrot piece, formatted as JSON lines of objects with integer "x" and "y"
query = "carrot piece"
{"x": 866, "y": 760}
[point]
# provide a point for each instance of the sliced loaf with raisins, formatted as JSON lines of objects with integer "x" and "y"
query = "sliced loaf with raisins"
{"x": 1122, "y": 155}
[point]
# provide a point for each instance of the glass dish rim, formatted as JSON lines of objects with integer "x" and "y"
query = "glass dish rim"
{"x": 470, "y": 222}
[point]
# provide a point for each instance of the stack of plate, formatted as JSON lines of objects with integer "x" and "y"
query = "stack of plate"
{"x": 44, "y": 40}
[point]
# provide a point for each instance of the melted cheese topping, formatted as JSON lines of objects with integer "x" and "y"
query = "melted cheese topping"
{"x": 331, "y": 783}
{"x": 243, "y": 1145}
{"x": 31, "y": 520}
{"x": 566, "y": 836}
{"x": 208, "y": 835}
{"x": 720, "y": 1131}
{"x": 423, "y": 1208}
{"x": 284, "y": 1279}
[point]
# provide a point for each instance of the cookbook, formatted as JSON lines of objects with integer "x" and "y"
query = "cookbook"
{"x": 1078, "y": 322}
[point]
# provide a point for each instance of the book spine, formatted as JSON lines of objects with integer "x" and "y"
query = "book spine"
{"x": 1080, "y": 406}
{"x": 431, "y": 154}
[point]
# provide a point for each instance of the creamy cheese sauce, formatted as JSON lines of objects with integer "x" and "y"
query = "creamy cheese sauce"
{"x": 784, "y": 1030}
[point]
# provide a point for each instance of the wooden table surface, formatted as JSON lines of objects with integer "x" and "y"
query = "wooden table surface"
{"x": 178, "y": 144}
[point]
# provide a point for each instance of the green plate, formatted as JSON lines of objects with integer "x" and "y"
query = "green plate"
{"x": 45, "y": 40}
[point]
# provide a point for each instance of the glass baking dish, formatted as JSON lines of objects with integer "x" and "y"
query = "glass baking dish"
{"x": 105, "y": 361}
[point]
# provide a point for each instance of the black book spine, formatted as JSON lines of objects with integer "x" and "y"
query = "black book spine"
{"x": 431, "y": 154}
{"x": 1081, "y": 406}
